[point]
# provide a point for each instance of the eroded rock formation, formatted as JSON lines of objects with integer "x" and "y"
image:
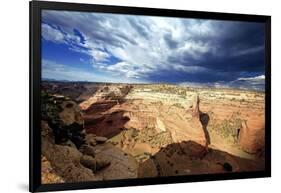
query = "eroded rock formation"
{"x": 64, "y": 118}
{"x": 64, "y": 160}
{"x": 199, "y": 134}
{"x": 251, "y": 136}
{"x": 71, "y": 155}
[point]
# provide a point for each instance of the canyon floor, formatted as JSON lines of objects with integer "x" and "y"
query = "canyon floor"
{"x": 118, "y": 131}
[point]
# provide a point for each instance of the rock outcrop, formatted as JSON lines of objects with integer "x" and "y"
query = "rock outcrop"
{"x": 48, "y": 175}
{"x": 71, "y": 113}
{"x": 64, "y": 160}
{"x": 198, "y": 134}
{"x": 178, "y": 159}
{"x": 64, "y": 117}
{"x": 122, "y": 165}
{"x": 106, "y": 93}
{"x": 71, "y": 155}
{"x": 252, "y": 135}
{"x": 195, "y": 111}
{"x": 93, "y": 163}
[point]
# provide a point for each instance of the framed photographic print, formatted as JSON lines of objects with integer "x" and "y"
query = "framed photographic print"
{"x": 123, "y": 96}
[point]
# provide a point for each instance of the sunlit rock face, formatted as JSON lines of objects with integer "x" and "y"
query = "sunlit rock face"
{"x": 252, "y": 137}
{"x": 196, "y": 125}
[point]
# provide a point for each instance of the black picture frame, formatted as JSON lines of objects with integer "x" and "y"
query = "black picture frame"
{"x": 35, "y": 79}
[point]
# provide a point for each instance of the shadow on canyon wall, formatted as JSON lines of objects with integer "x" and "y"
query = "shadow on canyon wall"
{"x": 98, "y": 121}
{"x": 204, "y": 119}
{"x": 189, "y": 157}
{"x": 107, "y": 125}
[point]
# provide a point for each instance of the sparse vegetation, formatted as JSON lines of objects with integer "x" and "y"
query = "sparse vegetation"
{"x": 228, "y": 128}
{"x": 178, "y": 105}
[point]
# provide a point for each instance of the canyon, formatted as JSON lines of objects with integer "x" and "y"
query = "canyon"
{"x": 106, "y": 131}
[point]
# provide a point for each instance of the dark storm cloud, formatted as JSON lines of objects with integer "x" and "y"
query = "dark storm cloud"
{"x": 238, "y": 49}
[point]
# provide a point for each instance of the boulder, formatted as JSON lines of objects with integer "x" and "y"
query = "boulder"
{"x": 88, "y": 150}
{"x": 100, "y": 139}
{"x": 123, "y": 166}
{"x": 95, "y": 164}
{"x": 90, "y": 139}
{"x": 71, "y": 113}
{"x": 252, "y": 135}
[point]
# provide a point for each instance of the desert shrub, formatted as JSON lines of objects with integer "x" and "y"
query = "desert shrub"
{"x": 242, "y": 100}
{"x": 135, "y": 133}
{"x": 228, "y": 128}
{"x": 150, "y": 136}
{"x": 178, "y": 105}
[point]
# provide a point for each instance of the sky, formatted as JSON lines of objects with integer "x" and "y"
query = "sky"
{"x": 99, "y": 47}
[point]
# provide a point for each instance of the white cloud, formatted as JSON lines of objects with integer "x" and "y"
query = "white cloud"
{"x": 255, "y": 78}
{"x": 52, "y": 34}
{"x": 53, "y": 70}
{"x": 248, "y": 51}
{"x": 191, "y": 69}
{"x": 122, "y": 69}
{"x": 98, "y": 55}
